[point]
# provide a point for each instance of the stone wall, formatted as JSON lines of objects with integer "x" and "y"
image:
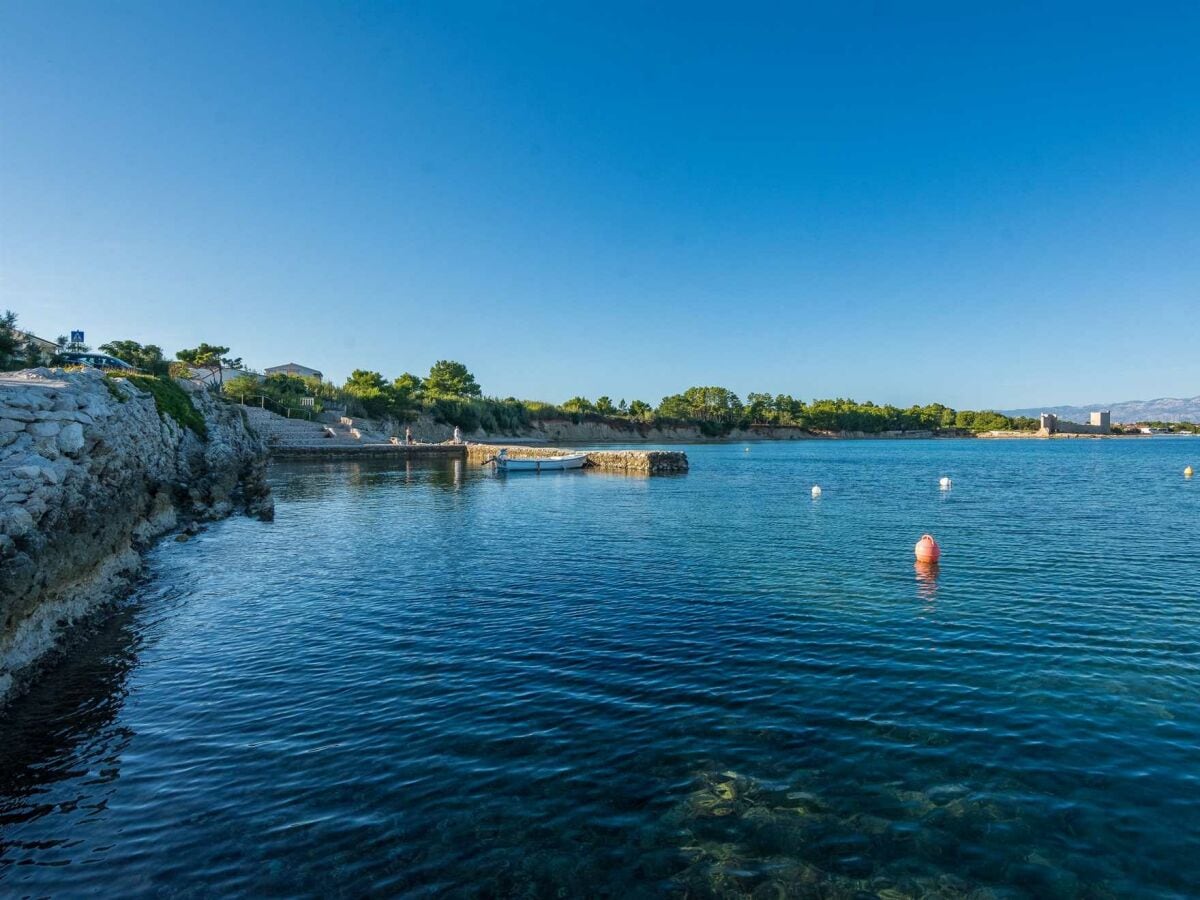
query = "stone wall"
{"x": 399, "y": 452}
{"x": 642, "y": 462}
{"x": 90, "y": 475}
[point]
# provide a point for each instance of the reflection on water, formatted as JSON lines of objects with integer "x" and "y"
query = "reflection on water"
{"x": 39, "y": 756}
{"x": 927, "y": 576}
{"x": 429, "y": 679}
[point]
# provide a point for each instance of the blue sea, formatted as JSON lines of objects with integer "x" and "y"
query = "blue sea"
{"x": 432, "y": 680}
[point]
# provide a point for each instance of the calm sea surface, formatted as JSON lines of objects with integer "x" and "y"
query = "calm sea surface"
{"x": 434, "y": 680}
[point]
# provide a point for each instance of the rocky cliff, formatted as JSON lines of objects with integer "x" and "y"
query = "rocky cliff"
{"x": 91, "y": 472}
{"x": 620, "y": 431}
{"x": 612, "y": 431}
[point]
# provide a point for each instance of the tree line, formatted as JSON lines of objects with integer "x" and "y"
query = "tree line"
{"x": 451, "y": 394}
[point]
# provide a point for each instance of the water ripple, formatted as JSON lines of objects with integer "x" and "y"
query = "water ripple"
{"x": 430, "y": 680}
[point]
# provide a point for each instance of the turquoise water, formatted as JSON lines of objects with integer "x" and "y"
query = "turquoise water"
{"x": 435, "y": 680}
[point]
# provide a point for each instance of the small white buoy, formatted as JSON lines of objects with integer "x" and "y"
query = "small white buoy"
{"x": 945, "y": 482}
{"x": 816, "y": 491}
{"x": 747, "y": 449}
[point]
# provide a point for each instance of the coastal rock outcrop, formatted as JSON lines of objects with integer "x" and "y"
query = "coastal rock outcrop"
{"x": 620, "y": 431}
{"x": 91, "y": 472}
{"x": 565, "y": 431}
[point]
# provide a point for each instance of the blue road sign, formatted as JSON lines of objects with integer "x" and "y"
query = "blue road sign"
{"x": 76, "y": 337}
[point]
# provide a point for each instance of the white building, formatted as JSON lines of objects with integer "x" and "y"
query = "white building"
{"x": 24, "y": 338}
{"x": 294, "y": 369}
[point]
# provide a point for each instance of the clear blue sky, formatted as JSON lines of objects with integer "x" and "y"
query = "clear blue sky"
{"x": 983, "y": 204}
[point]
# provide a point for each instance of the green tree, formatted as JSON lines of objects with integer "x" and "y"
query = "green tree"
{"x": 9, "y": 357}
{"x": 990, "y": 420}
{"x": 65, "y": 345}
{"x": 16, "y": 351}
{"x": 537, "y": 410}
{"x": 148, "y": 358}
{"x": 243, "y": 385}
{"x": 674, "y": 406}
{"x": 578, "y": 406}
{"x": 405, "y": 397}
{"x": 640, "y": 410}
{"x": 370, "y": 391}
{"x": 411, "y": 383}
{"x": 710, "y": 404}
{"x": 451, "y": 379}
{"x": 759, "y": 409}
{"x": 604, "y": 406}
{"x": 211, "y": 357}
{"x": 379, "y": 400}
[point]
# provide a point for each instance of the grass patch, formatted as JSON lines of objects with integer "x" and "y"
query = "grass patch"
{"x": 170, "y": 399}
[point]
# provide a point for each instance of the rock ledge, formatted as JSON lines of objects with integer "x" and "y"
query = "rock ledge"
{"x": 90, "y": 475}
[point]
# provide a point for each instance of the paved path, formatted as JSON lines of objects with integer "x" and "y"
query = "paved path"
{"x": 10, "y": 380}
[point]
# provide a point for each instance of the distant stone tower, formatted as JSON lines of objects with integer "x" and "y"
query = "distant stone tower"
{"x": 1101, "y": 420}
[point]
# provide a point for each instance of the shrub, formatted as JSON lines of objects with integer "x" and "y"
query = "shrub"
{"x": 170, "y": 399}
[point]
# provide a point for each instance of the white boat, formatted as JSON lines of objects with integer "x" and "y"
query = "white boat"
{"x": 543, "y": 464}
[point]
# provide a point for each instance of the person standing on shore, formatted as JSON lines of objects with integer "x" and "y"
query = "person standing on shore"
{"x": 407, "y": 435}
{"x": 457, "y": 435}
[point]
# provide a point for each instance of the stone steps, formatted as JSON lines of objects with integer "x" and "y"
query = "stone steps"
{"x": 280, "y": 431}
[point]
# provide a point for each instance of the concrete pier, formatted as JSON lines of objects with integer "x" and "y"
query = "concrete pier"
{"x": 631, "y": 462}
{"x": 399, "y": 452}
{"x": 634, "y": 462}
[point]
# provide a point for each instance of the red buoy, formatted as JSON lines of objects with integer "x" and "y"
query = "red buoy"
{"x": 927, "y": 549}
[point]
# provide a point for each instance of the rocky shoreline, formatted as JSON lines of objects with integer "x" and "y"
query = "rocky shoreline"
{"x": 565, "y": 432}
{"x": 92, "y": 472}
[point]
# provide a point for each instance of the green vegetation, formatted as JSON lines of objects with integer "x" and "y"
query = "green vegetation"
{"x": 1160, "y": 427}
{"x": 211, "y": 357}
{"x": 448, "y": 379}
{"x": 170, "y": 399}
{"x": 148, "y": 358}
{"x": 378, "y": 399}
{"x": 451, "y": 395}
{"x": 69, "y": 346}
{"x": 115, "y": 392}
{"x": 8, "y": 340}
{"x": 15, "y": 351}
{"x": 487, "y": 413}
{"x": 717, "y": 410}
{"x": 283, "y": 391}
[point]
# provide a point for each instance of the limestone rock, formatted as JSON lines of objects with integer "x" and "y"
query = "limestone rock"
{"x": 70, "y": 439}
{"x": 86, "y": 483}
{"x": 43, "y": 429}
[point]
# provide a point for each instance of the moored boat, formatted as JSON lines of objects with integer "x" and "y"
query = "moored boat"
{"x": 539, "y": 464}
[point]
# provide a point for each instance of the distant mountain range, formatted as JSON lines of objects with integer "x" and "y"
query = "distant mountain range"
{"x": 1164, "y": 409}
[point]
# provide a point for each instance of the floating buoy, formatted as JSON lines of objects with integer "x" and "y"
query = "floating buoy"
{"x": 747, "y": 449}
{"x": 816, "y": 491}
{"x": 927, "y": 549}
{"x": 945, "y": 482}
{"x": 1187, "y": 473}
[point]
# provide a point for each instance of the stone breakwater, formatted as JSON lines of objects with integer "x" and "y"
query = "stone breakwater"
{"x": 90, "y": 474}
{"x": 398, "y": 452}
{"x": 638, "y": 462}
